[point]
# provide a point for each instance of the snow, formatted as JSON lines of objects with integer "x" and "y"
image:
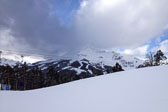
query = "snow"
{"x": 7, "y": 61}
{"x": 78, "y": 70}
{"x": 139, "y": 90}
{"x": 94, "y": 55}
{"x": 109, "y": 58}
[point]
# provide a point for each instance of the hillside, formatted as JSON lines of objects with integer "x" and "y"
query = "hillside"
{"x": 109, "y": 58}
{"x": 5, "y": 61}
{"x": 140, "y": 90}
{"x": 89, "y": 62}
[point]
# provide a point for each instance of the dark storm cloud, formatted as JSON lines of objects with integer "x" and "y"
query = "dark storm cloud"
{"x": 38, "y": 25}
{"x": 33, "y": 25}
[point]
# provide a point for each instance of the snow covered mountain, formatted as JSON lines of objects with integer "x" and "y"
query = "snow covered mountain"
{"x": 140, "y": 90}
{"x": 4, "y": 61}
{"x": 81, "y": 67}
{"x": 110, "y": 58}
{"x": 90, "y": 62}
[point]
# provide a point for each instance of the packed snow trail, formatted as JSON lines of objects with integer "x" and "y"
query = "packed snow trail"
{"x": 141, "y": 90}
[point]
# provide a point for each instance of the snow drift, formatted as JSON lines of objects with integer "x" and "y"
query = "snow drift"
{"x": 141, "y": 90}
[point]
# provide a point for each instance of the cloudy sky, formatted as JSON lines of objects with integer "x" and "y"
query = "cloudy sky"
{"x": 57, "y": 27}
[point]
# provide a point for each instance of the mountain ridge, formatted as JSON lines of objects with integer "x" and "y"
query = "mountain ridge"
{"x": 88, "y": 62}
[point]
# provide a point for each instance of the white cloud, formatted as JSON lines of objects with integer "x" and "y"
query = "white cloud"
{"x": 139, "y": 51}
{"x": 83, "y": 4}
{"x": 33, "y": 59}
{"x": 103, "y": 23}
{"x": 121, "y": 23}
{"x": 33, "y": 26}
{"x": 9, "y": 43}
{"x": 162, "y": 46}
{"x": 17, "y": 57}
{"x": 5, "y": 38}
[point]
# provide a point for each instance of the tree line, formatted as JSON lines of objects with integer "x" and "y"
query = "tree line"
{"x": 154, "y": 59}
{"x": 22, "y": 77}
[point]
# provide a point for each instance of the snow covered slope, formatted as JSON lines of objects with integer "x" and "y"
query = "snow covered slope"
{"x": 89, "y": 62}
{"x": 110, "y": 58}
{"x": 140, "y": 90}
{"x": 9, "y": 62}
{"x": 81, "y": 67}
{"x": 98, "y": 56}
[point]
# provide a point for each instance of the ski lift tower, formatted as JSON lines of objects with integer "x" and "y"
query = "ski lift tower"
{"x": 22, "y": 59}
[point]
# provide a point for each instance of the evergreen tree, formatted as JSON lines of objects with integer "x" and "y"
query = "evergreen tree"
{"x": 159, "y": 56}
{"x": 49, "y": 76}
{"x": 117, "y": 68}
